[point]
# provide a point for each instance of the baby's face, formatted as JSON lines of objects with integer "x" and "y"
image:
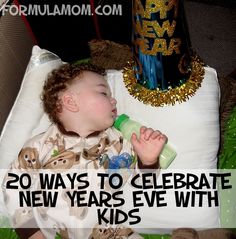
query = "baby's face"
{"x": 96, "y": 105}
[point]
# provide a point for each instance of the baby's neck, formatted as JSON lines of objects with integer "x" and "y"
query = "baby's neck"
{"x": 74, "y": 125}
{"x": 73, "y": 133}
{"x": 82, "y": 132}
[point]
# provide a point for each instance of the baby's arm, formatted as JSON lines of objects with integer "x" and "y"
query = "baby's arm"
{"x": 148, "y": 146}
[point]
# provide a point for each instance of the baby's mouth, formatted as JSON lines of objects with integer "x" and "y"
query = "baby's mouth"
{"x": 114, "y": 111}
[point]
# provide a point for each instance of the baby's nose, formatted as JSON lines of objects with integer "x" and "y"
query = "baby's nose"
{"x": 113, "y": 101}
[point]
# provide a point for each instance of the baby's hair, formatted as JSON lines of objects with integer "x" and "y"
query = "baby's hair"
{"x": 58, "y": 81}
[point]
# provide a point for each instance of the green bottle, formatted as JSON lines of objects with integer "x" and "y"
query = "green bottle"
{"x": 127, "y": 127}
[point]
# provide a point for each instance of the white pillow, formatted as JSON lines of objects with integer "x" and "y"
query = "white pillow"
{"x": 192, "y": 127}
{"x": 27, "y": 112}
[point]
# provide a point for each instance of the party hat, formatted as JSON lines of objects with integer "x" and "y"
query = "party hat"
{"x": 165, "y": 69}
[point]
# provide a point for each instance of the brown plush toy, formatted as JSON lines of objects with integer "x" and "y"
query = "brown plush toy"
{"x": 109, "y": 55}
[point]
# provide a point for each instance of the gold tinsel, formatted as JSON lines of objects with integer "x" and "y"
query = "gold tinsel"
{"x": 172, "y": 95}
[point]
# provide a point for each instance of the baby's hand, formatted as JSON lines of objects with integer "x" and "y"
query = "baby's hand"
{"x": 149, "y": 145}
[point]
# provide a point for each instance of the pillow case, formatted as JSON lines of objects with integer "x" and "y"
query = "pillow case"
{"x": 27, "y": 112}
{"x": 192, "y": 127}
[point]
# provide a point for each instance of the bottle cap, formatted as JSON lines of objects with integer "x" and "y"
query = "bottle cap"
{"x": 119, "y": 120}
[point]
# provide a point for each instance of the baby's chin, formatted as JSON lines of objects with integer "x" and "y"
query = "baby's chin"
{"x": 108, "y": 124}
{"x": 102, "y": 127}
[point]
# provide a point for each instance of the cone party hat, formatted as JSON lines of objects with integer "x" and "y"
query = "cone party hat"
{"x": 165, "y": 69}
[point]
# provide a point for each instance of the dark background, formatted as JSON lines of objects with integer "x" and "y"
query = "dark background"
{"x": 212, "y": 25}
{"x": 68, "y": 36}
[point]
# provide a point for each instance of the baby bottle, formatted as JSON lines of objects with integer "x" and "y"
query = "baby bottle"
{"x": 127, "y": 126}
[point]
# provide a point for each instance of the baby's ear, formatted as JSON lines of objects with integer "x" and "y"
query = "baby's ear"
{"x": 69, "y": 101}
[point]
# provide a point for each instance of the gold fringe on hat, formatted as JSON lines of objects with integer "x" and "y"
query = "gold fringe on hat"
{"x": 157, "y": 97}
